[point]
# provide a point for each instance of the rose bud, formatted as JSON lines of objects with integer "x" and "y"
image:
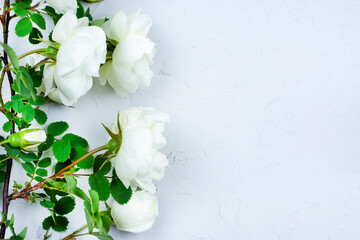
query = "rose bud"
{"x": 138, "y": 215}
{"x": 27, "y": 139}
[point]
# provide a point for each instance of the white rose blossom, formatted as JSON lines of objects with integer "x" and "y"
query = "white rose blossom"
{"x": 138, "y": 162}
{"x": 129, "y": 68}
{"x": 62, "y": 6}
{"x": 82, "y": 50}
{"x": 138, "y": 215}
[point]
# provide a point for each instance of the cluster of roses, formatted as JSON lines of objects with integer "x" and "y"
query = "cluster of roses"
{"x": 119, "y": 53}
{"x": 120, "y": 46}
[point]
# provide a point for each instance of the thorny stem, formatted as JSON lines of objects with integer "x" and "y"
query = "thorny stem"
{"x": 42, "y": 62}
{"x": 1, "y": 81}
{"x": 5, "y": 20}
{"x": 79, "y": 160}
{"x": 32, "y": 52}
{"x": 77, "y": 175}
{"x": 59, "y": 173}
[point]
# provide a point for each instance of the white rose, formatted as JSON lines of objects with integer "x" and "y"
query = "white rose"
{"x": 28, "y": 139}
{"x": 82, "y": 50}
{"x": 63, "y": 5}
{"x": 138, "y": 162}
{"x": 138, "y": 215}
{"x": 129, "y": 68}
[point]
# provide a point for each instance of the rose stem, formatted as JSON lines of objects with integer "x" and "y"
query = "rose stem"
{"x": 6, "y": 200}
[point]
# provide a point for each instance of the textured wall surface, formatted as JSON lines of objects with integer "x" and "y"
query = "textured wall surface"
{"x": 264, "y": 138}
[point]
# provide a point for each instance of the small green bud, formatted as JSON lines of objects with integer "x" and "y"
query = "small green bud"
{"x": 116, "y": 137}
{"x": 15, "y": 140}
{"x": 27, "y": 139}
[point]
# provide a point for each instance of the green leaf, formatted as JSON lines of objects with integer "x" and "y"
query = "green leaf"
{"x": 39, "y": 195}
{"x": 45, "y": 162}
{"x": 18, "y": 86}
{"x": 39, "y": 179}
{"x": 25, "y": 83}
{"x": 80, "y": 193}
{"x": 36, "y": 76}
{"x": 40, "y": 116}
{"x": 53, "y": 14}
{"x": 11, "y": 151}
{"x": 39, "y": 100}
{"x": 101, "y": 185}
{"x": 21, "y": 9}
{"x": 71, "y": 182}
{"x": 51, "y": 194}
{"x": 7, "y": 126}
{"x": 38, "y": 20}
{"x": 28, "y": 167}
{"x": 88, "y": 218}
{"x": 50, "y": 10}
{"x": 12, "y": 55}
{"x": 88, "y": 15}
{"x": 2, "y": 176}
{"x": 28, "y": 113}
{"x": 59, "y": 223}
{"x": 57, "y": 128}
{"x": 101, "y": 166}
{"x": 47, "y": 223}
{"x": 87, "y": 205}
{"x": 106, "y": 222}
{"x": 20, "y": 123}
{"x": 22, "y": 234}
{"x": 99, "y": 22}
{"x": 65, "y": 205}
{"x": 119, "y": 192}
{"x": 41, "y": 172}
{"x": 9, "y": 115}
{"x": 34, "y": 36}
{"x": 101, "y": 237}
{"x": 27, "y": 157}
{"x": 8, "y": 105}
{"x": 18, "y": 106}
{"x": 47, "y": 204}
{"x": 71, "y": 185}
{"x": 48, "y": 143}
{"x": 61, "y": 165}
{"x": 75, "y": 140}
{"x": 61, "y": 150}
{"x": 94, "y": 201}
{"x": 80, "y": 11}
{"x": 23, "y": 27}
{"x": 77, "y": 152}
{"x": 16, "y": 97}
{"x": 14, "y": 86}
{"x": 25, "y": 1}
